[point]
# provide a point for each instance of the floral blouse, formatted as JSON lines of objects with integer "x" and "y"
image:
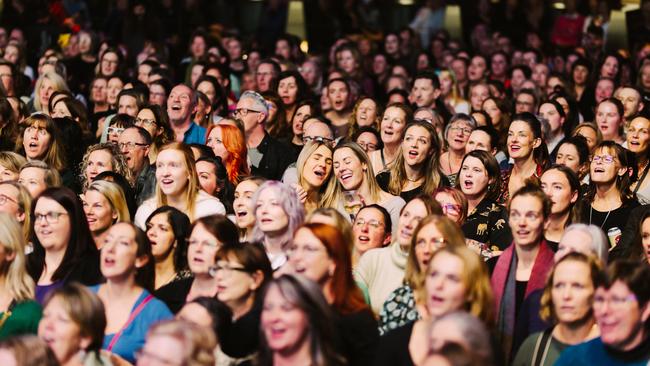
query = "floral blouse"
{"x": 488, "y": 224}
{"x": 398, "y": 310}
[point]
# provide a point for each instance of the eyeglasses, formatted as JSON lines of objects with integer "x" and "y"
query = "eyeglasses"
{"x": 464, "y": 130}
{"x": 368, "y": 146}
{"x": 614, "y": 301}
{"x": 130, "y": 145}
{"x": 38, "y": 130}
{"x": 605, "y": 159}
{"x": 372, "y": 223}
{"x": 226, "y": 269}
{"x": 243, "y": 112}
{"x": 142, "y": 355}
{"x": 145, "y": 121}
{"x": 49, "y": 217}
{"x": 450, "y": 207}
{"x": 204, "y": 243}
{"x": 308, "y": 139}
{"x": 117, "y": 130}
{"x": 4, "y": 199}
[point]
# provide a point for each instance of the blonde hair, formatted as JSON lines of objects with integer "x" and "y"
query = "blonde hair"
{"x": 12, "y": 161}
{"x": 52, "y": 177}
{"x": 118, "y": 162}
{"x": 24, "y": 202}
{"x": 198, "y": 342}
{"x": 305, "y": 154}
{"x": 476, "y": 279}
{"x": 192, "y": 189}
{"x": 19, "y": 284}
{"x": 59, "y": 85}
{"x": 334, "y": 191}
{"x": 115, "y": 197}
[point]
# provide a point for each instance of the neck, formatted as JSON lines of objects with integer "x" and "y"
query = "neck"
{"x": 573, "y": 333}
{"x": 391, "y": 151}
{"x": 557, "y": 223}
{"x": 274, "y": 243}
{"x": 165, "y": 270}
{"x": 53, "y": 259}
{"x": 607, "y": 192}
{"x": 180, "y": 127}
{"x": 100, "y": 107}
{"x": 364, "y": 191}
{"x": 297, "y": 356}
{"x": 612, "y": 137}
{"x": 120, "y": 288}
{"x": 413, "y": 173}
{"x": 255, "y": 137}
{"x": 525, "y": 166}
{"x": 177, "y": 201}
{"x": 473, "y": 201}
{"x": 526, "y": 254}
{"x": 241, "y": 307}
{"x": 204, "y": 284}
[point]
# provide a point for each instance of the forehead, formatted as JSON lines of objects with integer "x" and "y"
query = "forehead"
{"x": 45, "y": 203}
{"x": 526, "y": 203}
{"x": 32, "y": 171}
{"x": 345, "y": 152}
{"x": 9, "y": 190}
{"x": 247, "y": 185}
{"x": 170, "y": 155}
{"x": 130, "y": 134}
{"x": 370, "y": 213}
{"x": 322, "y": 150}
{"x": 368, "y": 136}
{"x": 205, "y": 166}
{"x": 127, "y": 99}
{"x": 181, "y": 89}
{"x": 100, "y": 155}
{"x": 481, "y": 136}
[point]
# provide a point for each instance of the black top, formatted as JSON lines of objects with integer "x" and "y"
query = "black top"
{"x": 175, "y": 293}
{"x": 393, "y": 347}
{"x": 85, "y": 270}
{"x": 607, "y": 220}
{"x": 383, "y": 180}
{"x": 520, "y": 294}
{"x": 488, "y": 223}
{"x": 145, "y": 183}
{"x": 240, "y": 338}
{"x": 626, "y": 247}
{"x": 276, "y": 157}
{"x": 358, "y": 336}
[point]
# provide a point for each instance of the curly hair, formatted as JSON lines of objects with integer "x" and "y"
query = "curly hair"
{"x": 118, "y": 162}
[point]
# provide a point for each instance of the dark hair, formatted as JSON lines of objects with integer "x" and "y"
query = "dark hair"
{"x": 220, "y": 314}
{"x": 220, "y": 227}
{"x": 491, "y": 168}
{"x": 303, "y": 90}
{"x": 145, "y": 276}
{"x": 492, "y": 133}
{"x": 135, "y": 93}
{"x": 220, "y": 102}
{"x": 540, "y": 153}
{"x": 532, "y": 189}
{"x": 368, "y": 129}
{"x": 428, "y": 74}
{"x": 388, "y": 223}
{"x": 580, "y": 143}
{"x": 162, "y": 121}
{"x": 252, "y": 256}
{"x": 144, "y": 134}
{"x": 226, "y": 192}
{"x": 204, "y": 151}
{"x": 636, "y": 277}
{"x": 80, "y": 246}
{"x": 122, "y": 120}
{"x": 574, "y": 185}
{"x": 523, "y": 68}
{"x": 622, "y": 181}
{"x": 180, "y": 225}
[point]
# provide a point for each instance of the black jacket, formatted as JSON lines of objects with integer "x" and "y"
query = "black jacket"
{"x": 276, "y": 157}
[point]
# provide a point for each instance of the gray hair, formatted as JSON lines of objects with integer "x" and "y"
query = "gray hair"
{"x": 260, "y": 103}
{"x": 599, "y": 242}
{"x": 460, "y": 117}
{"x": 475, "y": 333}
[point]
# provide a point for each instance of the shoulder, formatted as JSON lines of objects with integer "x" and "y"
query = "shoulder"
{"x": 207, "y": 205}
{"x": 390, "y": 202}
{"x": 581, "y": 354}
{"x": 154, "y": 308}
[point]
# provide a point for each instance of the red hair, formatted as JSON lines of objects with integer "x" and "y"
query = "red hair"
{"x": 347, "y": 297}
{"x": 233, "y": 140}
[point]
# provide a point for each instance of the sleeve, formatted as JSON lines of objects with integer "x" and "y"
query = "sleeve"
{"x": 500, "y": 233}
{"x": 363, "y": 273}
{"x": 360, "y": 335}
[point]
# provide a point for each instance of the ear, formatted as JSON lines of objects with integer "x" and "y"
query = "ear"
{"x": 146, "y": 151}
{"x": 436, "y": 93}
{"x": 537, "y": 143}
{"x": 258, "y": 278}
{"x": 387, "y": 239}
{"x": 645, "y": 312}
{"x": 364, "y": 167}
{"x": 85, "y": 342}
{"x": 141, "y": 261}
{"x": 622, "y": 171}
{"x": 10, "y": 256}
{"x": 574, "y": 197}
{"x": 547, "y": 223}
{"x": 114, "y": 215}
{"x": 20, "y": 216}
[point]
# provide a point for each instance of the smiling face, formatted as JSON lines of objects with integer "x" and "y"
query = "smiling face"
{"x": 417, "y": 146}
{"x": 526, "y": 220}
{"x": 285, "y": 325}
{"x": 172, "y": 175}
{"x": 393, "y": 123}
{"x": 36, "y": 141}
{"x": 348, "y": 169}
{"x": 98, "y": 161}
{"x": 318, "y": 167}
{"x": 202, "y": 250}
{"x": 521, "y": 141}
{"x": 411, "y": 215}
{"x": 308, "y": 257}
{"x": 179, "y": 104}
{"x": 269, "y": 213}
{"x": 242, "y": 204}
{"x": 444, "y": 284}
{"x": 51, "y": 235}
{"x": 473, "y": 178}
{"x": 119, "y": 258}
{"x": 60, "y": 333}
{"x": 99, "y": 212}
{"x": 161, "y": 237}
{"x": 572, "y": 292}
{"x": 558, "y": 189}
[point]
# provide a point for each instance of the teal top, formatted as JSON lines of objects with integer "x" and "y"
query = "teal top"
{"x": 23, "y": 319}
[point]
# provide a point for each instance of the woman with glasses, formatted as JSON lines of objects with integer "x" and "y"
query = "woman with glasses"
{"x": 567, "y": 303}
{"x": 638, "y": 142}
{"x": 207, "y": 235}
{"x": 178, "y": 186}
{"x": 486, "y": 226}
{"x": 431, "y": 234}
{"x": 314, "y": 168}
{"x": 278, "y": 212}
{"x": 128, "y": 267}
{"x": 242, "y": 271}
{"x": 456, "y": 135}
{"x": 527, "y": 148}
{"x": 393, "y": 123}
{"x": 104, "y": 204}
{"x": 297, "y": 306}
{"x": 416, "y": 169}
{"x": 19, "y": 313}
{"x": 229, "y": 143}
{"x": 453, "y": 203}
{"x": 610, "y": 121}
{"x": 522, "y": 267}
{"x": 16, "y": 201}
{"x": 454, "y": 279}
{"x": 167, "y": 230}
{"x": 63, "y": 247}
{"x": 356, "y": 186}
{"x": 368, "y": 138}
{"x": 381, "y": 271}
{"x": 562, "y": 187}
{"x": 155, "y": 120}
{"x": 319, "y": 253}
{"x": 100, "y": 158}
{"x": 116, "y": 126}
{"x": 609, "y": 201}
{"x": 73, "y": 326}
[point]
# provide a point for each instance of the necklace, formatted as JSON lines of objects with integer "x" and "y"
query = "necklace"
{"x": 591, "y": 211}
{"x": 414, "y": 180}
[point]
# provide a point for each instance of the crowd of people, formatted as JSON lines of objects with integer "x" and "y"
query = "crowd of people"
{"x": 394, "y": 201}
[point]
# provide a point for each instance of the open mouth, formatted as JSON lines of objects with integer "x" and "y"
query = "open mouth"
{"x": 241, "y": 214}
{"x": 363, "y": 239}
{"x": 413, "y": 154}
{"x": 522, "y": 232}
{"x": 167, "y": 181}
{"x": 515, "y": 148}
{"x": 599, "y": 170}
{"x": 176, "y": 107}
{"x": 109, "y": 262}
{"x": 320, "y": 173}
{"x": 468, "y": 184}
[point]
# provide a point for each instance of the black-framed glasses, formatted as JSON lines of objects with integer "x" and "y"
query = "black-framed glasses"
{"x": 308, "y": 139}
{"x": 243, "y": 112}
{"x": 130, "y": 145}
{"x": 226, "y": 269}
{"x": 51, "y": 217}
